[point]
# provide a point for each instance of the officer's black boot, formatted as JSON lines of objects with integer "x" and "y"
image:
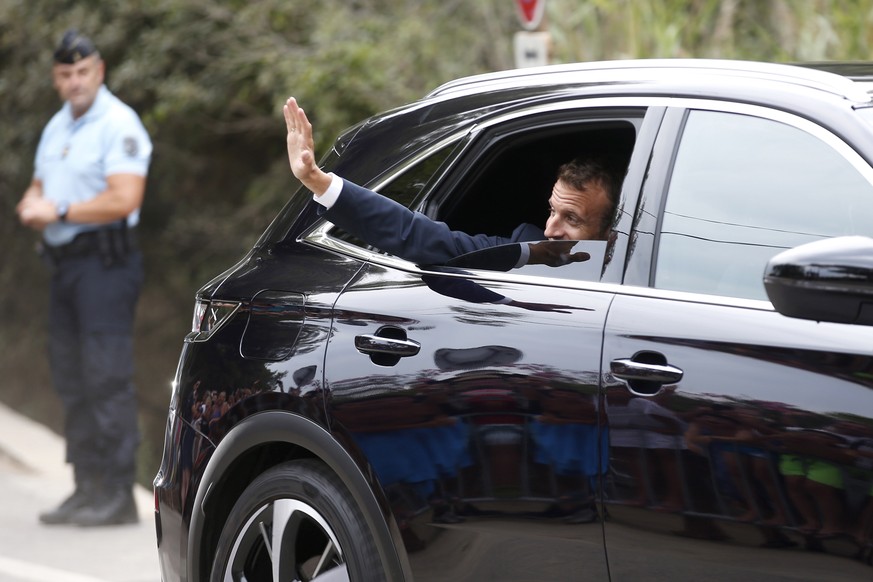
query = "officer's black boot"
{"x": 85, "y": 496}
{"x": 115, "y": 507}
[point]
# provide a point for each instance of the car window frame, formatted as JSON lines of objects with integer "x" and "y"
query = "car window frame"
{"x": 651, "y": 112}
{"x": 642, "y": 262}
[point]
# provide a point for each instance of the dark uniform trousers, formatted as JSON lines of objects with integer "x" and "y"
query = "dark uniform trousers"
{"x": 91, "y": 317}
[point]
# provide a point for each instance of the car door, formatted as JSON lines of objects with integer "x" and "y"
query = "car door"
{"x": 739, "y": 438}
{"x": 472, "y": 392}
{"x": 460, "y": 396}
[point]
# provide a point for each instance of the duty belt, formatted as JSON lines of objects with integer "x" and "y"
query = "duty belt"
{"x": 111, "y": 244}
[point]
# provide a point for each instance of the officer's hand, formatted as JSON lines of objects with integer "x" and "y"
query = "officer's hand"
{"x": 36, "y": 212}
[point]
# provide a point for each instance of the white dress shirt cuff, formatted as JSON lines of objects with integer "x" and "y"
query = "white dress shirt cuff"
{"x": 330, "y": 195}
{"x": 524, "y": 255}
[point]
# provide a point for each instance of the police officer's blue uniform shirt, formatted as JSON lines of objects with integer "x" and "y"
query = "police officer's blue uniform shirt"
{"x": 75, "y": 156}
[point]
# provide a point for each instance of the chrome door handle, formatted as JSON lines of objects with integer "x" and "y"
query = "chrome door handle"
{"x": 630, "y": 370}
{"x": 374, "y": 344}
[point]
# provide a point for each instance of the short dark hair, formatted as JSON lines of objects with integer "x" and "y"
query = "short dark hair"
{"x": 73, "y": 47}
{"x": 580, "y": 172}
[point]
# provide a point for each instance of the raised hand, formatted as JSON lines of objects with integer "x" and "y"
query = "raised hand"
{"x": 301, "y": 149}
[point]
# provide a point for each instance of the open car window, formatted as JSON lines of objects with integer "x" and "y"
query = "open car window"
{"x": 506, "y": 177}
{"x": 505, "y": 174}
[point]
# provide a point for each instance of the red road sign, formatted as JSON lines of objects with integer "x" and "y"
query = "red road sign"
{"x": 530, "y": 13}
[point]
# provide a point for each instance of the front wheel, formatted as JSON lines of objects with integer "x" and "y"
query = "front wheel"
{"x": 296, "y": 522}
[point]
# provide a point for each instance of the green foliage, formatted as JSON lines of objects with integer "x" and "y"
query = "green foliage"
{"x": 209, "y": 77}
{"x": 775, "y": 30}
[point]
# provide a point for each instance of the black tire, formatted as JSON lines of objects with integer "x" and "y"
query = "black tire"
{"x": 303, "y": 509}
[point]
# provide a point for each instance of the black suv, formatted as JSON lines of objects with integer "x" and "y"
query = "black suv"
{"x": 693, "y": 402}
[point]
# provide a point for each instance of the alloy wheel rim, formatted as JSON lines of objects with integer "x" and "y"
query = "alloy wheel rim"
{"x": 291, "y": 541}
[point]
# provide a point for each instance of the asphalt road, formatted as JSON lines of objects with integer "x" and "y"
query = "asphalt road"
{"x": 33, "y": 478}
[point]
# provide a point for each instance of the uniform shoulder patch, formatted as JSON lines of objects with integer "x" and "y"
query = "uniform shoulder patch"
{"x": 131, "y": 147}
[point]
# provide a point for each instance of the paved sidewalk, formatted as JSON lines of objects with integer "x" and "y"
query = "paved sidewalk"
{"x": 33, "y": 478}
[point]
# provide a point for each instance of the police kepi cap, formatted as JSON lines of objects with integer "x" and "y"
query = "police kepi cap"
{"x": 73, "y": 48}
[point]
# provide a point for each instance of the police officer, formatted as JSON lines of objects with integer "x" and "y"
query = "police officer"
{"x": 87, "y": 189}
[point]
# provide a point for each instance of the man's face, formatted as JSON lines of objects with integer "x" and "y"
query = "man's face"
{"x": 577, "y": 214}
{"x": 78, "y": 83}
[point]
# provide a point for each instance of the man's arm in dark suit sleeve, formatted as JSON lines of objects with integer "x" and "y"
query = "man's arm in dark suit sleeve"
{"x": 393, "y": 228}
{"x": 377, "y": 220}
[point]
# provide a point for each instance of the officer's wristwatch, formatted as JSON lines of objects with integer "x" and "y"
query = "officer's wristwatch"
{"x": 63, "y": 209}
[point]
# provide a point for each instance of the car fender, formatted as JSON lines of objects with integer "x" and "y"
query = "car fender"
{"x": 285, "y": 427}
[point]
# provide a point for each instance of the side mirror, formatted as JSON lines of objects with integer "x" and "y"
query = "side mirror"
{"x": 828, "y": 280}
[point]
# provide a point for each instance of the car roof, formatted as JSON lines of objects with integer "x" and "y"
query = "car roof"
{"x": 460, "y": 104}
{"x": 851, "y": 81}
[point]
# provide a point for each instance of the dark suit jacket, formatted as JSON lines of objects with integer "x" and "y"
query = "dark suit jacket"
{"x": 393, "y": 228}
